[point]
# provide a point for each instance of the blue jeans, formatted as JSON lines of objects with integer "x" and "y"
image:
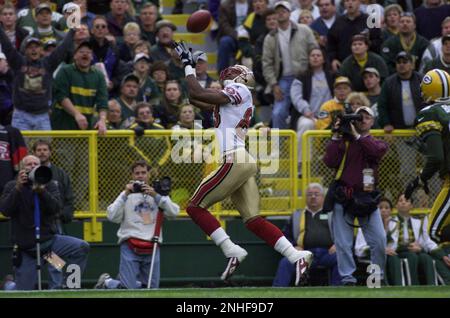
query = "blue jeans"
{"x": 72, "y": 250}
{"x": 286, "y": 271}
{"x": 343, "y": 233}
{"x": 227, "y": 50}
{"x": 280, "y": 111}
{"x": 134, "y": 270}
{"x": 27, "y": 121}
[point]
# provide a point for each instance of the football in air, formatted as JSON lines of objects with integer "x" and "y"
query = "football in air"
{"x": 198, "y": 21}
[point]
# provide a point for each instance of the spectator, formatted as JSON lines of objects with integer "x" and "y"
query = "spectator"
{"x": 285, "y": 56}
{"x": 441, "y": 256}
{"x": 144, "y": 117}
{"x": 330, "y": 109}
{"x": 13, "y": 150}
{"x": 127, "y": 99}
{"x": 325, "y": 21}
{"x": 137, "y": 212}
{"x": 308, "y": 92}
{"x": 400, "y": 99}
{"x": 304, "y": 5}
{"x": 80, "y": 91}
{"x": 163, "y": 51}
{"x": 429, "y": 17}
{"x": 411, "y": 241}
{"x": 310, "y": 230}
{"x": 32, "y": 87}
{"x": 340, "y": 35}
{"x": 81, "y": 35}
{"x": 43, "y": 150}
{"x": 105, "y": 53}
{"x": 371, "y": 79}
{"x": 147, "y": 21}
{"x": 232, "y": 14}
{"x": 252, "y": 27}
{"x": 407, "y": 40}
{"x": 201, "y": 71}
{"x": 44, "y": 29}
{"x": 186, "y": 118}
{"x": 160, "y": 74}
{"x": 358, "y": 151}
{"x": 361, "y": 58}
{"x": 356, "y": 100}
{"x": 27, "y": 17}
{"x": 15, "y": 203}
{"x": 8, "y": 19}
{"x": 167, "y": 112}
{"x": 434, "y": 49}
{"x": 391, "y": 21}
{"x": 305, "y": 18}
{"x": 114, "y": 116}
{"x": 131, "y": 35}
{"x": 147, "y": 86}
{"x": 6, "y": 91}
{"x": 118, "y": 17}
{"x": 443, "y": 61}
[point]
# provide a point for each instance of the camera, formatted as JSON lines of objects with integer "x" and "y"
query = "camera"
{"x": 137, "y": 186}
{"x": 162, "y": 186}
{"x": 40, "y": 175}
{"x": 347, "y": 118}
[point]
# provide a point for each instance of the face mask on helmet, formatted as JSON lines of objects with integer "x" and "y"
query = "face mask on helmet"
{"x": 237, "y": 74}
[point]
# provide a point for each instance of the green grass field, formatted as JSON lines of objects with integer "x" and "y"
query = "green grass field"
{"x": 246, "y": 292}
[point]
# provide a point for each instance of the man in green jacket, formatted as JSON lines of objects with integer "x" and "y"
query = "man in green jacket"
{"x": 79, "y": 92}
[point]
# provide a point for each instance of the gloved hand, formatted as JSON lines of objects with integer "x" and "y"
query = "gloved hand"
{"x": 184, "y": 53}
{"x": 413, "y": 185}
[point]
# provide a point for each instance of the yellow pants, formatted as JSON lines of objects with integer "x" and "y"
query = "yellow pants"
{"x": 234, "y": 179}
{"x": 440, "y": 212}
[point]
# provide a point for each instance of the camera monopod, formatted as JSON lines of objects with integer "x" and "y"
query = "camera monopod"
{"x": 37, "y": 231}
{"x": 155, "y": 240}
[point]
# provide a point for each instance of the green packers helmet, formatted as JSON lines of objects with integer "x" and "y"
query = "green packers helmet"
{"x": 435, "y": 86}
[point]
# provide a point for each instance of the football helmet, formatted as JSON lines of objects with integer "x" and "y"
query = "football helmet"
{"x": 435, "y": 86}
{"x": 237, "y": 74}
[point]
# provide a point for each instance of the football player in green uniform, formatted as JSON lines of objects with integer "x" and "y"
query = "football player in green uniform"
{"x": 432, "y": 127}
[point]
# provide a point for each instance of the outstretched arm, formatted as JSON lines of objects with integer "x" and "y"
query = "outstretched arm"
{"x": 195, "y": 90}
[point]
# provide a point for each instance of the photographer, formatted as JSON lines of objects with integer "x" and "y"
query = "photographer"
{"x": 353, "y": 151}
{"x": 136, "y": 210}
{"x": 17, "y": 202}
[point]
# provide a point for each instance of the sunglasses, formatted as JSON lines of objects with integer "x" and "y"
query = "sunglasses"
{"x": 100, "y": 26}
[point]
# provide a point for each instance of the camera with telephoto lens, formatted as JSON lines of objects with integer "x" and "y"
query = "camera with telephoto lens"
{"x": 137, "y": 186}
{"x": 347, "y": 118}
{"x": 162, "y": 186}
{"x": 40, "y": 175}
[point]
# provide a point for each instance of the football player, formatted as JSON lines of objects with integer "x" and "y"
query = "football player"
{"x": 432, "y": 127}
{"x": 235, "y": 177}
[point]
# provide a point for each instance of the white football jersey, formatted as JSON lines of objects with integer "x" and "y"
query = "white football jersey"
{"x": 233, "y": 119}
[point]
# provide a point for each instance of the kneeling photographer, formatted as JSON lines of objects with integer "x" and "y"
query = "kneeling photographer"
{"x": 33, "y": 202}
{"x": 139, "y": 210}
{"x": 355, "y": 154}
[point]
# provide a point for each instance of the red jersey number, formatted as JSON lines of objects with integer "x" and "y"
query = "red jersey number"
{"x": 245, "y": 122}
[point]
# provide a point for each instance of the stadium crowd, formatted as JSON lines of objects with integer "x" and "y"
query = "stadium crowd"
{"x": 119, "y": 70}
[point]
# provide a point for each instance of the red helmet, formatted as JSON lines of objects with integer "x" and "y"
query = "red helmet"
{"x": 238, "y": 74}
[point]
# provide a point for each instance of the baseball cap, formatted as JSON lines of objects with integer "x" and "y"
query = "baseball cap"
{"x": 371, "y": 70}
{"x": 445, "y": 38}
{"x": 50, "y": 43}
{"x": 83, "y": 44}
{"x": 165, "y": 23}
{"x": 32, "y": 40}
{"x": 2, "y": 56}
{"x": 342, "y": 80}
{"x": 404, "y": 55}
{"x": 200, "y": 55}
{"x": 69, "y": 7}
{"x": 130, "y": 77}
{"x": 284, "y": 4}
{"x": 141, "y": 56}
{"x": 43, "y": 6}
{"x": 365, "y": 109}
